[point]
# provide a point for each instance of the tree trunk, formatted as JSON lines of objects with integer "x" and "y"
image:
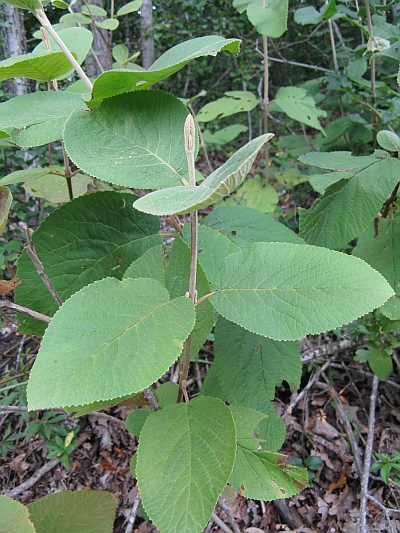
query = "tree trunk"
{"x": 146, "y": 33}
{"x": 14, "y": 44}
{"x": 103, "y": 60}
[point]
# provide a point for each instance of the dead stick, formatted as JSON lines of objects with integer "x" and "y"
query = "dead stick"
{"x": 25, "y": 311}
{"x": 31, "y": 251}
{"x": 132, "y": 516}
{"x": 368, "y": 455}
{"x": 224, "y": 506}
{"x": 216, "y": 519}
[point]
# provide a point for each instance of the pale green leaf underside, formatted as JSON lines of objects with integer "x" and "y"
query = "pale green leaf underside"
{"x": 269, "y": 19}
{"x": 55, "y": 188}
{"x": 383, "y": 254}
{"x": 185, "y": 457}
{"x": 26, "y": 4}
{"x": 39, "y": 67}
{"x": 250, "y": 366}
{"x": 136, "y": 140}
{"x": 38, "y": 118}
{"x": 78, "y": 40}
{"x": 28, "y": 174}
{"x": 349, "y": 206}
{"x": 286, "y": 291}
{"x": 295, "y": 102}
{"x": 14, "y": 517}
{"x": 388, "y": 140}
{"x": 103, "y": 223}
{"x": 69, "y": 512}
{"x": 116, "y": 82}
{"x": 180, "y": 200}
{"x": 109, "y": 339}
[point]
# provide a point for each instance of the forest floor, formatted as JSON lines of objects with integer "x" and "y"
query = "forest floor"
{"x": 327, "y": 420}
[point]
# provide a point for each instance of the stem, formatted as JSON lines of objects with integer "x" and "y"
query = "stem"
{"x": 265, "y": 101}
{"x": 189, "y": 132}
{"x": 373, "y": 76}
{"x": 25, "y": 311}
{"x": 148, "y": 394}
{"x": 68, "y": 172}
{"x": 44, "y": 21}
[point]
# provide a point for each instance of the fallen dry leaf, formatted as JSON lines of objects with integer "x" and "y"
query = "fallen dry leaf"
{"x": 341, "y": 482}
{"x": 9, "y": 285}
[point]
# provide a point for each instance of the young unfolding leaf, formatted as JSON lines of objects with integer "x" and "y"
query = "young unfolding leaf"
{"x": 186, "y": 454}
{"x": 114, "y": 337}
{"x": 286, "y": 291}
{"x": 138, "y": 143}
{"x": 92, "y": 237}
{"x": 180, "y": 200}
{"x": 121, "y": 81}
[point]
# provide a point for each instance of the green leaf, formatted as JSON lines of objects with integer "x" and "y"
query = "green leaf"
{"x": 383, "y": 254}
{"x": 379, "y": 361}
{"x": 70, "y": 512}
{"x": 233, "y": 102}
{"x": 135, "y": 420}
{"x": 149, "y": 265}
{"x": 126, "y": 149}
{"x": 104, "y": 223}
{"x": 77, "y": 40}
{"x": 307, "y": 15}
{"x": 177, "y": 276}
{"x": 39, "y": 67}
{"x": 93, "y": 10}
{"x": 24, "y": 176}
{"x": 108, "y": 24}
{"x": 115, "y": 347}
{"x": 258, "y": 195}
{"x": 221, "y": 182}
{"x": 295, "y": 102}
{"x": 60, "y": 4}
{"x": 54, "y": 188}
{"x": 225, "y": 135}
{"x": 38, "y": 118}
{"x": 167, "y": 393}
{"x": 320, "y": 182}
{"x": 14, "y": 516}
{"x": 341, "y": 161}
{"x": 250, "y": 366}
{"x": 388, "y": 141}
{"x": 349, "y": 205}
{"x": 259, "y": 474}
{"x": 5, "y": 205}
{"x": 270, "y": 20}
{"x": 120, "y": 53}
{"x": 26, "y": 4}
{"x": 287, "y": 291}
{"x": 191, "y": 448}
{"x": 229, "y": 229}
{"x": 130, "y": 7}
{"x": 76, "y": 18}
{"x": 116, "y": 82}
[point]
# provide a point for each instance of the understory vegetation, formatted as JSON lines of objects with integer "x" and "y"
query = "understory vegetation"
{"x": 200, "y": 220}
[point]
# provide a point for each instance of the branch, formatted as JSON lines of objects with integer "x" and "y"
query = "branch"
{"x": 132, "y": 516}
{"x": 224, "y": 506}
{"x": 216, "y": 519}
{"x": 31, "y": 251}
{"x": 367, "y": 456}
{"x": 25, "y": 311}
{"x": 149, "y": 395}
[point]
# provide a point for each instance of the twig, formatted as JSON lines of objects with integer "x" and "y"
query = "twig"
{"x": 31, "y": 251}
{"x": 367, "y": 456}
{"x": 132, "y": 516}
{"x": 13, "y": 408}
{"x": 368, "y": 374}
{"x": 148, "y": 394}
{"x": 224, "y": 506}
{"x": 40, "y": 473}
{"x": 220, "y": 523}
{"x": 21, "y": 345}
{"x": 349, "y": 430}
{"x": 110, "y": 418}
{"x": 309, "y": 385}
{"x": 25, "y": 311}
{"x": 327, "y": 349}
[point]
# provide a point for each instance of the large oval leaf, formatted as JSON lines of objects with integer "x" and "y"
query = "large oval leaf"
{"x": 186, "y": 454}
{"x": 92, "y": 237}
{"x": 286, "y": 291}
{"x": 136, "y": 140}
{"x": 14, "y": 517}
{"x": 121, "y": 81}
{"x": 109, "y": 339}
{"x": 38, "y": 118}
{"x": 180, "y": 200}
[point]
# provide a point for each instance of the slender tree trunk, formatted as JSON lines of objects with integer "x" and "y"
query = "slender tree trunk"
{"x": 146, "y": 33}
{"x": 100, "y": 48}
{"x": 14, "y": 44}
